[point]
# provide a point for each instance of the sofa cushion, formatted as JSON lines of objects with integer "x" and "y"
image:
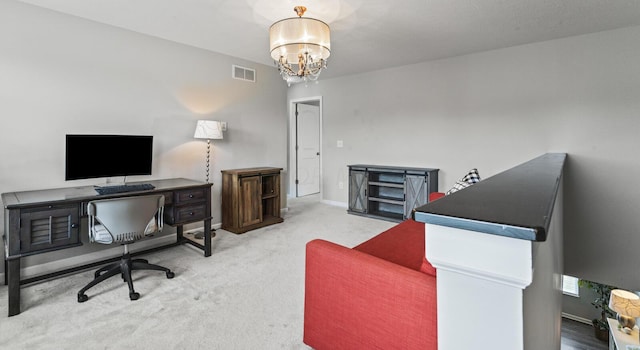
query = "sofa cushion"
{"x": 427, "y": 268}
{"x": 402, "y": 244}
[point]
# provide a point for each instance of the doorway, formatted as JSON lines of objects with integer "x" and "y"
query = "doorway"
{"x": 306, "y": 121}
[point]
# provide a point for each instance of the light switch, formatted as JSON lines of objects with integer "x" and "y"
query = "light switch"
{"x": 339, "y": 144}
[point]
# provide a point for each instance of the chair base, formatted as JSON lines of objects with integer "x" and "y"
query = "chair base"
{"x": 123, "y": 268}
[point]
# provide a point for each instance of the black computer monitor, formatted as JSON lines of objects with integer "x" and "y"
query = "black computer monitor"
{"x": 93, "y": 156}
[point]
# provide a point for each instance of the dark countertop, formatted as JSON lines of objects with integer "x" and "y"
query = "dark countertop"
{"x": 516, "y": 203}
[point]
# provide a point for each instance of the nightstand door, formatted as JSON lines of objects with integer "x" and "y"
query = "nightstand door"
{"x": 250, "y": 200}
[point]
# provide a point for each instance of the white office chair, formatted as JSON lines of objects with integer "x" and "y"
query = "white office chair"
{"x": 124, "y": 221}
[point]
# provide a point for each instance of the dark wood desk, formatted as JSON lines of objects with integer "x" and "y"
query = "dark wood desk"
{"x": 42, "y": 221}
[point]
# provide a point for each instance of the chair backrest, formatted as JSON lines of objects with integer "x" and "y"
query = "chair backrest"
{"x": 126, "y": 219}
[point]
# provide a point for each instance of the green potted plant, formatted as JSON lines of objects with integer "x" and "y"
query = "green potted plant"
{"x": 602, "y": 291}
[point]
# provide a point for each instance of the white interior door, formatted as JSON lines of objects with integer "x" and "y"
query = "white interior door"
{"x": 307, "y": 149}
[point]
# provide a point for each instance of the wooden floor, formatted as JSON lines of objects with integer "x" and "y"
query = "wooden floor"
{"x": 579, "y": 336}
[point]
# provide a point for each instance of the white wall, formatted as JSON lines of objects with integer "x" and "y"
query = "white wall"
{"x": 497, "y": 109}
{"x": 61, "y": 74}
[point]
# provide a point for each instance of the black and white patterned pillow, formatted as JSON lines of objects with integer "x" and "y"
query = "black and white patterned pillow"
{"x": 469, "y": 179}
{"x": 472, "y": 176}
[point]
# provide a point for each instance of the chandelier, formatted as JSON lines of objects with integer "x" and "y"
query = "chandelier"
{"x": 300, "y": 46}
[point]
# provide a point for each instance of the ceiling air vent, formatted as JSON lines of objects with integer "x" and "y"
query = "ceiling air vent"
{"x": 243, "y": 73}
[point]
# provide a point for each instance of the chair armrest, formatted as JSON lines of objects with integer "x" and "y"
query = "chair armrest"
{"x": 355, "y": 300}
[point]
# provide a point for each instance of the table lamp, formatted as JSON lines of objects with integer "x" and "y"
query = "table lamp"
{"x": 208, "y": 130}
{"x": 627, "y": 305}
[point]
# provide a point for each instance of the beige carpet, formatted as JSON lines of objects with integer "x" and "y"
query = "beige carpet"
{"x": 248, "y": 295}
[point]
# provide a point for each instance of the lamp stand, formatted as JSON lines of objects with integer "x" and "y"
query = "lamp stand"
{"x": 200, "y": 235}
{"x": 208, "y": 157}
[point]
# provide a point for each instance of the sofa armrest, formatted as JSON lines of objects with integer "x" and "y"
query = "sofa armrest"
{"x": 436, "y": 195}
{"x": 357, "y": 301}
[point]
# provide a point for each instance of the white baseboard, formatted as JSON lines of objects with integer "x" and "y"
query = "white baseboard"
{"x": 576, "y": 318}
{"x": 335, "y": 203}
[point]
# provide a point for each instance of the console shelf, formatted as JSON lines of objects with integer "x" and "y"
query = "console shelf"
{"x": 390, "y": 193}
{"x": 386, "y": 184}
{"x": 386, "y": 200}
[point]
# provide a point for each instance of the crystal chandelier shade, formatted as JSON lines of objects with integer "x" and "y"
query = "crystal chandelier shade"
{"x": 300, "y": 46}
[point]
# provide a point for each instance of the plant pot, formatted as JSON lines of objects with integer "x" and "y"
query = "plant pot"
{"x": 599, "y": 332}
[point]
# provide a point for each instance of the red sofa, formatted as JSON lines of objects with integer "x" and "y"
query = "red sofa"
{"x": 379, "y": 295}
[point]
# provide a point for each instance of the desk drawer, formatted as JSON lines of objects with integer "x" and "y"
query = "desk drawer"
{"x": 189, "y": 214}
{"x": 190, "y": 196}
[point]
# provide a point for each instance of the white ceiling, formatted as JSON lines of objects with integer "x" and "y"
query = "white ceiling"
{"x": 365, "y": 34}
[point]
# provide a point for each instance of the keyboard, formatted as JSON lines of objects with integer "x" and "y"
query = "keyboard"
{"x": 124, "y": 188}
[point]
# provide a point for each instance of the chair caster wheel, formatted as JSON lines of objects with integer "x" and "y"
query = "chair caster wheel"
{"x": 170, "y": 274}
{"x": 82, "y": 298}
{"x": 134, "y": 296}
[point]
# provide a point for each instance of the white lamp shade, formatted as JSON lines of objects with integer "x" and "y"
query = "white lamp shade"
{"x": 208, "y": 129}
{"x": 624, "y": 303}
{"x": 299, "y": 35}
